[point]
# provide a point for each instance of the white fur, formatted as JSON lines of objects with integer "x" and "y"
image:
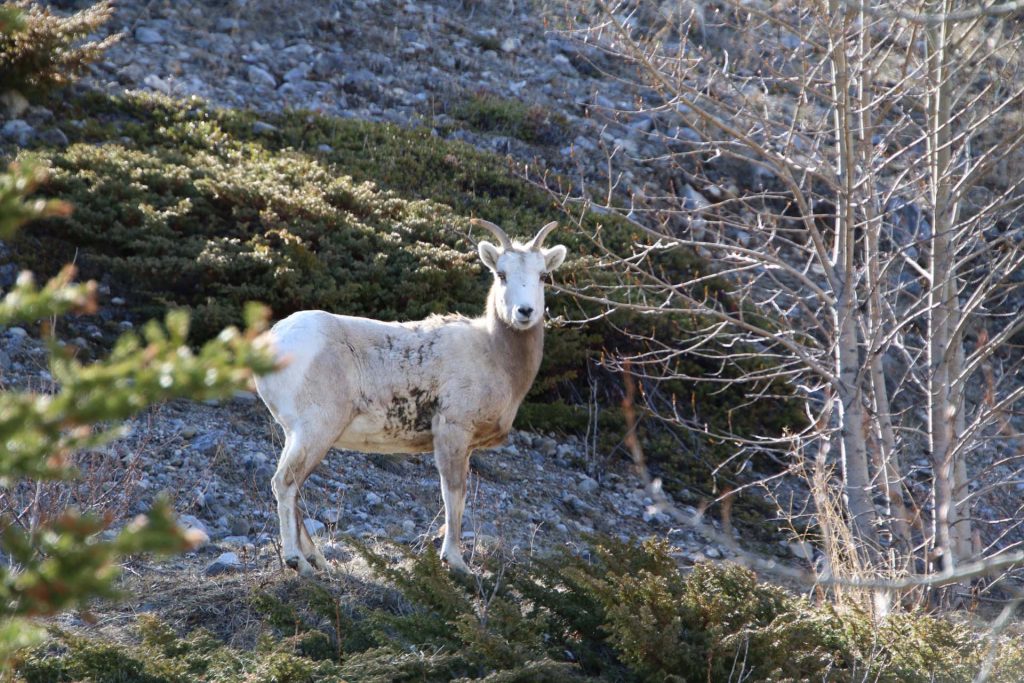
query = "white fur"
{"x": 448, "y": 384}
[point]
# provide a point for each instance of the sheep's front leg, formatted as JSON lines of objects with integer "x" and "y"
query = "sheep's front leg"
{"x": 451, "y": 454}
{"x": 310, "y": 551}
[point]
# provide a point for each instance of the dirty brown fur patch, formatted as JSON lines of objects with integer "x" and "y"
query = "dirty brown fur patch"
{"x": 412, "y": 413}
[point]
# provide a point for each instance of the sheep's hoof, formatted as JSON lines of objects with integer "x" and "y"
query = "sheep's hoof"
{"x": 458, "y": 565}
{"x": 299, "y": 564}
{"x": 318, "y": 561}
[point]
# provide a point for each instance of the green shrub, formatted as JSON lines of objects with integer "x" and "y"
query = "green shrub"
{"x": 627, "y": 612}
{"x": 15, "y": 185}
{"x": 40, "y": 50}
{"x": 530, "y": 123}
{"x": 624, "y": 613}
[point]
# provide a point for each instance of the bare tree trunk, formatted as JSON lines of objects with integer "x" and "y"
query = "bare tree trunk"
{"x": 944, "y": 404}
{"x": 853, "y": 446}
{"x": 891, "y": 469}
{"x": 963, "y": 532}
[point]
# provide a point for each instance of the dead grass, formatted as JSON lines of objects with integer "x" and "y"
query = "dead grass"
{"x": 182, "y": 596}
{"x": 106, "y": 484}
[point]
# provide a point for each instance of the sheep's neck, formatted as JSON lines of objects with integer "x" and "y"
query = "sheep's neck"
{"x": 520, "y": 350}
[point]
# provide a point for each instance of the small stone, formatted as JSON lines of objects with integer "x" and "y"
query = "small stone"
{"x": 224, "y": 564}
{"x": 148, "y": 36}
{"x": 564, "y": 65}
{"x": 14, "y": 103}
{"x": 191, "y": 522}
{"x": 565, "y": 451}
{"x": 39, "y": 113}
{"x": 587, "y": 485}
{"x": 575, "y": 503}
{"x": 225, "y": 24}
{"x": 628, "y": 146}
{"x": 209, "y": 443}
{"x": 298, "y": 73}
{"x": 408, "y": 526}
{"x": 510, "y": 44}
{"x": 373, "y": 499}
{"x": 685, "y": 134}
{"x": 194, "y": 528}
{"x": 117, "y": 301}
{"x": 235, "y": 540}
{"x": 9, "y": 275}
{"x": 239, "y": 526}
{"x": 328, "y": 64}
{"x": 641, "y": 124}
{"x": 802, "y": 550}
{"x": 261, "y": 127}
{"x": 360, "y": 81}
{"x": 712, "y": 552}
{"x": 260, "y": 76}
{"x": 314, "y": 526}
{"x": 158, "y": 84}
{"x": 790, "y": 41}
{"x": 54, "y": 137}
{"x": 324, "y": 148}
{"x": 652, "y": 515}
{"x": 561, "y": 527}
{"x": 18, "y": 132}
{"x": 330, "y": 515}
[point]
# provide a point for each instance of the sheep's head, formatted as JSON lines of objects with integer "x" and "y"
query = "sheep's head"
{"x": 519, "y": 271}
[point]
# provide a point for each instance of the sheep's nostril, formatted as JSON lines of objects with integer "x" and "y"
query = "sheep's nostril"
{"x": 524, "y": 311}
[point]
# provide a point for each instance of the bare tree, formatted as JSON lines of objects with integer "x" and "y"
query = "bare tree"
{"x": 853, "y": 171}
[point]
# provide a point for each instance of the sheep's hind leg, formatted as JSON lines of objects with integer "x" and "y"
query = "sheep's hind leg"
{"x": 300, "y": 456}
{"x": 281, "y": 484}
{"x": 310, "y": 551}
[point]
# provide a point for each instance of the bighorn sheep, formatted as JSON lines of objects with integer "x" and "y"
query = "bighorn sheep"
{"x": 449, "y": 384}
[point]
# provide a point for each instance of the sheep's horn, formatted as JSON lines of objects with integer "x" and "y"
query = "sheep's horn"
{"x": 536, "y": 243}
{"x": 506, "y": 243}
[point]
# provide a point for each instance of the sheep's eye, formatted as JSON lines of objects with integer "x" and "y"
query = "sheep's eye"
{"x": 502, "y": 276}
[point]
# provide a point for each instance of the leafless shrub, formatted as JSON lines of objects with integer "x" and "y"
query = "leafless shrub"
{"x": 848, "y": 168}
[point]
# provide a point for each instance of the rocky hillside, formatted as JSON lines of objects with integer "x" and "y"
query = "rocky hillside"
{"x": 461, "y": 71}
{"x": 433, "y": 110}
{"x": 498, "y": 75}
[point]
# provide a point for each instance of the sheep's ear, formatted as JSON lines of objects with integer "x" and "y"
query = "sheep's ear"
{"x": 489, "y": 254}
{"x": 553, "y": 257}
